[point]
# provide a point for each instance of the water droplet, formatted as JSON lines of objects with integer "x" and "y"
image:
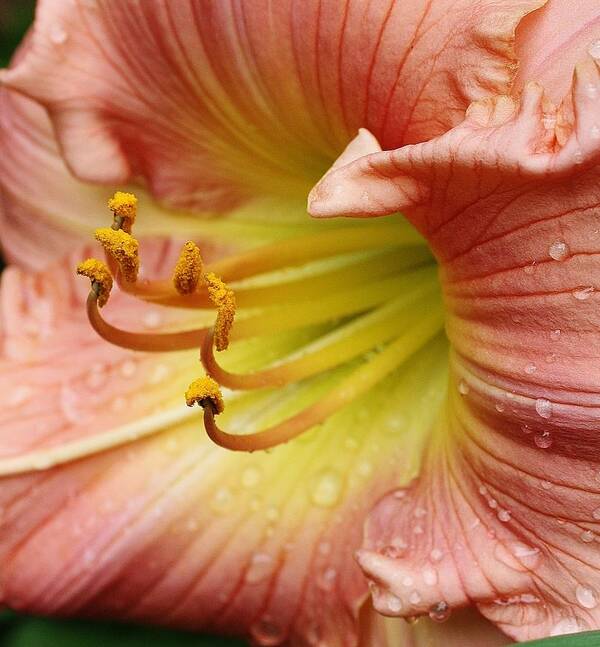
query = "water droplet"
{"x": 436, "y": 555}
{"x": 272, "y": 513}
{"x": 587, "y": 536}
{"x": 260, "y": 568}
{"x": 530, "y": 368}
{"x": 504, "y": 515}
{"x": 364, "y": 468}
{"x": 420, "y": 512}
{"x": 596, "y": 514}
{"x": 128, "y": 368}
{"x": 578, "y": 157}
{"x": 58, "y": 35}
{"x": 568, "y": 626}
{"x": 251, "y": 477}
{"x": 500, "y": 407}
{"x": 463, "y": 388}
{"x": 546, "y": 485}
{"x": 400, "y": 494}
{"x": 418, "y": 530}
{"x": 394, "y": 604}
{"x": 327, "y": 578}
{"x": 19, "y": 395}
{"x": 543, "y": 408}
{"x": 543, "y": 440}
{"x": 430, "y": 576}
{"x": 555, "y": 334}
{"x": 586, "y": 597}
{"x": 483, "y": 490}
{"x": 440, "y": 611}
{"x": 559, "y": 250}
{"x": 152, "y": 319}
{"x": 326, "y": 489}
{"x": 594, "y": 49}
{"x": 222, "y": 500}
{"x": 529, "y": 269}
{"x": 551, "y": 358}
{"x": 583, "y": 293}
{"x": 414, "y": 597}
{"x": 526, "y": 429}
{"x": 396, "y": 549}
{"x": 324, "y": 548}
{"x": 159, "y": 374}
{"x": 407, "y": 581}
{"x": 267, "y": 633}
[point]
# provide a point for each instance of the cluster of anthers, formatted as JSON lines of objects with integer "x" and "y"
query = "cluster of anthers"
{"x": 369, "y": 286}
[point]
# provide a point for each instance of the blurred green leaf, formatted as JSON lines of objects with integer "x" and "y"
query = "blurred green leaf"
{"x": 587, "y": 639}
{"x": 39, "y": 632}
{"x": 15, "y": 18}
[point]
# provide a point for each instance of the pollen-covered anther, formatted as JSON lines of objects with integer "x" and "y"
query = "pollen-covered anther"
{"x": 188, "y": 270}
{"x": 124, "y": 248}
{"x": 205, "y": 391}
{"x": 224, "y": 300}
{"x": 100, "y": 277}
{"x": 124, "y": 207}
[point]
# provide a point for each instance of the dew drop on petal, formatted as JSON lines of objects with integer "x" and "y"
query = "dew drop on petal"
{"x": 504, "y": 515}
{"x": 128, "y": 368}
{"x": 558, "y": 250}
{"x": 530, "y": 368}
{"x": 267, "y": 633}
{"x": 587, "y": 536}
{"x": 152, "y": 319}
{"x": 58, "y": 36}
{"x": 546, "y": 485}
{"x": 414, "y": 597}
{"x": 596, "y": 514}
{"x": 407, "y": 581}
{"x": 260, "y": 568}
{"x": 251, "y": 477}
{"x": 594, "y": 49}
{"x": 555, "y": 334}
{"x": 586, "y": 597}
{"x": 463, "y": 388}
{"x": 500, "y": 407}
{"x": 436, "y": 555}
{"x": 440, "y": 611}
{"x": 326, "y": 489}
{"x": 430, "y": 576}
{"x": 543, "y": 408}
{"x": 543, "y": 440}
{"x": 583, "y": 293}
{"x": 327, "y": 578}
{"x": 222, "y": 500}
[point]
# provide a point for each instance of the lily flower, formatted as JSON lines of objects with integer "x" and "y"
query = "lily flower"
{"x": 331, "y": 393}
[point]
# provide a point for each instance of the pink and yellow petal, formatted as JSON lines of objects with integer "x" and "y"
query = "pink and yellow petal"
{"x": 505, "y": 512}
{"x": 212, "y": 103}
{"x": 167, "y": 527}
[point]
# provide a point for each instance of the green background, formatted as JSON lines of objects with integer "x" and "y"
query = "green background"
{"x": 20, "y": 631}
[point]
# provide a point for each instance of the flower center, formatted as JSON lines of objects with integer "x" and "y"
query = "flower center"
{"x": 359, "y": 300}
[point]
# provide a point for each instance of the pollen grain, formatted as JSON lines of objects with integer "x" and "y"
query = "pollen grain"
{"x": 124, "y": 248}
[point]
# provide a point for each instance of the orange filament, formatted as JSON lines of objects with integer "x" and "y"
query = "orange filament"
{"x": 224, "y": 300}
{"x": 124, "y": 248}
{"x": 188, "y": 271}
{"x": 150, "y": 342}
{"x": 100, "y": 277}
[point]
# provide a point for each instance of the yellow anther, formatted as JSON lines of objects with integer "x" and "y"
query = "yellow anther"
{"x": 124, "y": 205}
{"x": 188, "y": 271}
{"x": 100, "y": 277}
{"x": 124, "y": 248}
{"x": 204, "y": 391}
{"x": 224, "y": 300}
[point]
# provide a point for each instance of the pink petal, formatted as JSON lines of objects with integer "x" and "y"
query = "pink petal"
{"x": 170, "y": 529}
{"x": 508, "y": 506}
{"x": 213, "y": 102}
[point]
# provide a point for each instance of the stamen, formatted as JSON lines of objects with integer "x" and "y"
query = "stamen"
{"x": 205, "y": 392}
{"x": 100, "y": 277}
{"x": 188, "y": 271}
{"x": 356, "y": 384}
{"x": 123, "y": 248}
{"x": 224, "y": 300}
{"x": 124, "y": 208}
